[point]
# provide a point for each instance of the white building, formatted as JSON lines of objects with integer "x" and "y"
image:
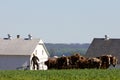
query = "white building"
{"x": 17, "y": 53}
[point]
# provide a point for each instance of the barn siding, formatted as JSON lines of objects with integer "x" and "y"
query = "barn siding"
{"x": 16, "y": 52}
{"x": 13, "y": 62}
{"x": 42, "y": 54}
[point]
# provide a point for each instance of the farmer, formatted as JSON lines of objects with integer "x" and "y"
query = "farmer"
{"x": 35, "y": 62}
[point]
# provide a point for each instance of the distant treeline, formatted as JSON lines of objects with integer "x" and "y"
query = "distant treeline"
{"x": 60, "y": 49}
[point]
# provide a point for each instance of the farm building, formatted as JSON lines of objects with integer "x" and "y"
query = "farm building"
{"x": 17, "y": 53}
{"x": 103, "y": 46}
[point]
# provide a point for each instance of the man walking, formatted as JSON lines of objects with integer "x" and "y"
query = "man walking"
{"x": 35, "y": 62}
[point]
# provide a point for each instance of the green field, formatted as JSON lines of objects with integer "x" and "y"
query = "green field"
{"x": 73, "y": 74}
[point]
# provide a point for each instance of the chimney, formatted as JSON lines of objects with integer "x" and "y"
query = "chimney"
{"x": 29, "y": 36}
{"x": 9, "y": 36}
{"x": 106, "y": 37}
{"x": 18, "y": 36}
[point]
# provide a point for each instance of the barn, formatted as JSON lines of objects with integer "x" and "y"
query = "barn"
{"x": 103, "y": 46}
{"x": 16, "y": 53}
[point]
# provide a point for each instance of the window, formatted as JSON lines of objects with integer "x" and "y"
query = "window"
{"x": 42, "y": 52}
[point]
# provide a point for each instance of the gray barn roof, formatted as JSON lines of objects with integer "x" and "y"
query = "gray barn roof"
{"x": 100, "y": 46}
{"x": 17, "y": 46}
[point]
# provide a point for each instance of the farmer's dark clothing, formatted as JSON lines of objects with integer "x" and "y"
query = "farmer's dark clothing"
{"x": 34, "y": 60}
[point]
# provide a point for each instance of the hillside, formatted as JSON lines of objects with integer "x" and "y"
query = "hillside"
{"x": 60, "y": 49}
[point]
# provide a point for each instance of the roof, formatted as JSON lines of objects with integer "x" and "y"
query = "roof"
{"x": 18, "y": 46}
{"x": 100, "y": 46}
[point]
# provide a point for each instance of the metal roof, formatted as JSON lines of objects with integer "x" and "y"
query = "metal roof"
{"x": 18, "y": 46}
{"x": 100, "y": 46}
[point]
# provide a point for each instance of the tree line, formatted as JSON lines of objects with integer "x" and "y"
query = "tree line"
{"x": 60, "y": 49}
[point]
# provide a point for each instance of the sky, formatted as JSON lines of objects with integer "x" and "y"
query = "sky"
{"x": 60, "y": 21}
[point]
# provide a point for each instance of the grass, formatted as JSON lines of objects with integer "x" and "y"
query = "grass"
{"x": 73, "y": 74}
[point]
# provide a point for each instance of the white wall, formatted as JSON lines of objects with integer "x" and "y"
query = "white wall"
{"x": 41, "y": 53}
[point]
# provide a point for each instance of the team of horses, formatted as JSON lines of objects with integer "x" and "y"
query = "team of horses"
{"x": 77, "y": 61}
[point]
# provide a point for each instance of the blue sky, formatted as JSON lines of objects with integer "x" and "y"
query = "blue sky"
{"x": 60, "y": 21}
